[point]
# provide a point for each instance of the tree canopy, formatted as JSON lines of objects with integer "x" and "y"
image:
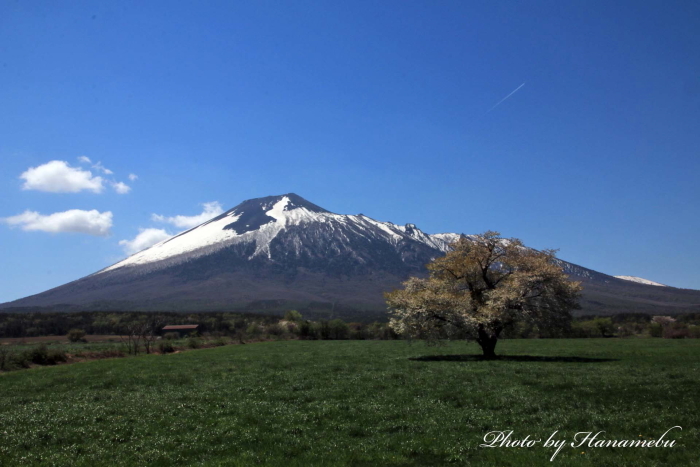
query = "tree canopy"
{"x": 483, "y": 284}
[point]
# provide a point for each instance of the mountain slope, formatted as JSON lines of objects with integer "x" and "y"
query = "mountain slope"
{"x": 640, "y": 280}
{"x": 278, "y": 252}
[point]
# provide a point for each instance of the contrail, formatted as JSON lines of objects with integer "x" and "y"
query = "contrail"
{"x": 501, "y": 101}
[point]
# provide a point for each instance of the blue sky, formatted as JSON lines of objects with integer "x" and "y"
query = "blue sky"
{"x": 374, "y": 107}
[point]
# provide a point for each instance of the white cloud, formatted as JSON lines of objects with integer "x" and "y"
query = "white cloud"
{"x": 121, "y": 188}
{"x": 102, "y": 168}
{"x": 74, "y": 220}
{"x": 133, "y": 177}
{"x": 59, "y": 177}
{"x": 84, "y": 160}
{"x": 151, "y": 236}
{"x": 212, "y": 209}
{"x": 144, "y": 239}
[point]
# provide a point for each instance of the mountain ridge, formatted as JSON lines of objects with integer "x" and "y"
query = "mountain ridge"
{"x": 287, "y": 251}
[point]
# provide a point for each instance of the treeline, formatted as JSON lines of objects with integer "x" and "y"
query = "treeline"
{"x": 118, "y": 323}
{"x": 255, "y": 326}
{"x": 237, "y": 325}
{"x": 294, "y": 326}
{"x": 679, "y": 326}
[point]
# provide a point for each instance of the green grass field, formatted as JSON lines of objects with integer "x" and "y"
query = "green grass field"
{"x": 356, "y": 403}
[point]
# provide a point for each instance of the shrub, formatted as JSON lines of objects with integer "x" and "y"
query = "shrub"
{"x": 521, "y": 330}
{"x": 76, "y": 335}
{"x": 4, "y": 359}
{"x": 18, "y": 360}
{"x": 276, "y": 329}
{"x": 694, "y": 331}
{"x": 357, "y": 331}
{"x": 338, "y": 329}
{"x": 38, "y": 354}
{"x": 322, "y": 329}
{"x": 57, "y": 355}
{"x": 585, "y": 329}
{"x": 165, "y": 346}
{"x": 382, "y": 331}
{"x": 218, "y": 342}
{"x": 663, "y": 320}
{"x": 291, "y": 326}
{"x": 237, "y": 324}
{"x": 605, "y": 326}
{"x": 306, "y": 331}
{"x": 239, "y": 336}
{"x": 676, "y": 331}
{"x": 253, "y": 330}
{"x": 292, "y": 315}
{"x": 655, "y": 330}
{"x": 42, "y": 355}
{"x": 171, "y": 336}
{"x": 194, "y": 343}
{"x": 628, "y": 330}
{"x": 107, "y": 353}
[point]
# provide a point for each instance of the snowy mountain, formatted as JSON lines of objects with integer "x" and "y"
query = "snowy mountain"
{"x": 280, "y": 252}
{"x": 640, "y": 280}
{"x": 261, "y": 221}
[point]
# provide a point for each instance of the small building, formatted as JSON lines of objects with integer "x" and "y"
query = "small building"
{"x": 181, "y": 329}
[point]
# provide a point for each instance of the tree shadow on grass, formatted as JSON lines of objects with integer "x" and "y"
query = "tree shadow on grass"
{"x": 509, "y": 358}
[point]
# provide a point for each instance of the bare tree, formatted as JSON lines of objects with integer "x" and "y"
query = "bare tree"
{"x": 132, "y": 339}
{"x": 149, "y": 333}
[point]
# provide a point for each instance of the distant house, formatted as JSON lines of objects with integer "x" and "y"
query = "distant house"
{"x": 181, "y": 329}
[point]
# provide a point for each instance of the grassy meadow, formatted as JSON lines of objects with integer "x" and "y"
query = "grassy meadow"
{"x": 300, "y": 403}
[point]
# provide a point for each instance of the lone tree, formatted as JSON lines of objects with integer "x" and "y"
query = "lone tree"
{"x": 483, "y": 284}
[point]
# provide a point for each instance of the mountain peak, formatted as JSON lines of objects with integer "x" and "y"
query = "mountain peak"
{"x": 253, "y": 213}
{"x": 266, "y": 203}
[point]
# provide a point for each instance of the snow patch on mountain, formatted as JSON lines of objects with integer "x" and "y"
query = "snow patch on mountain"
{"x": 442, "y": 241}
{"x": 278, "y": 209}
{"x": 640, "y": 280}
{"x": 284, "y": 212}
{"x": 207, "y": 234}
{"x": 387, "y": 227}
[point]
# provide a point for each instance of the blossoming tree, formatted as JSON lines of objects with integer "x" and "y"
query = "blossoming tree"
{"x": 484, "y": 283}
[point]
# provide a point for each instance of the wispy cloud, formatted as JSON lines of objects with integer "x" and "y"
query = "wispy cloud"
{"x": 84, "y": 159}
{"x": 212, "y": 209}
{"x": 502, "y": 100}
{"x": 144, "y": 239}
{"x": 133, "y": 177}
{"x": 102, "y": 168}
{"x": 121, "y": 187}
{"x": 74, "y": 220}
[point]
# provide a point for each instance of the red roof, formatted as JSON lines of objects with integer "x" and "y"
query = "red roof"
{"x": 180, "y": 326}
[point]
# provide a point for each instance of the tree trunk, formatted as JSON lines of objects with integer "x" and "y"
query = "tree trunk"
{"x": 488, "y": 342}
